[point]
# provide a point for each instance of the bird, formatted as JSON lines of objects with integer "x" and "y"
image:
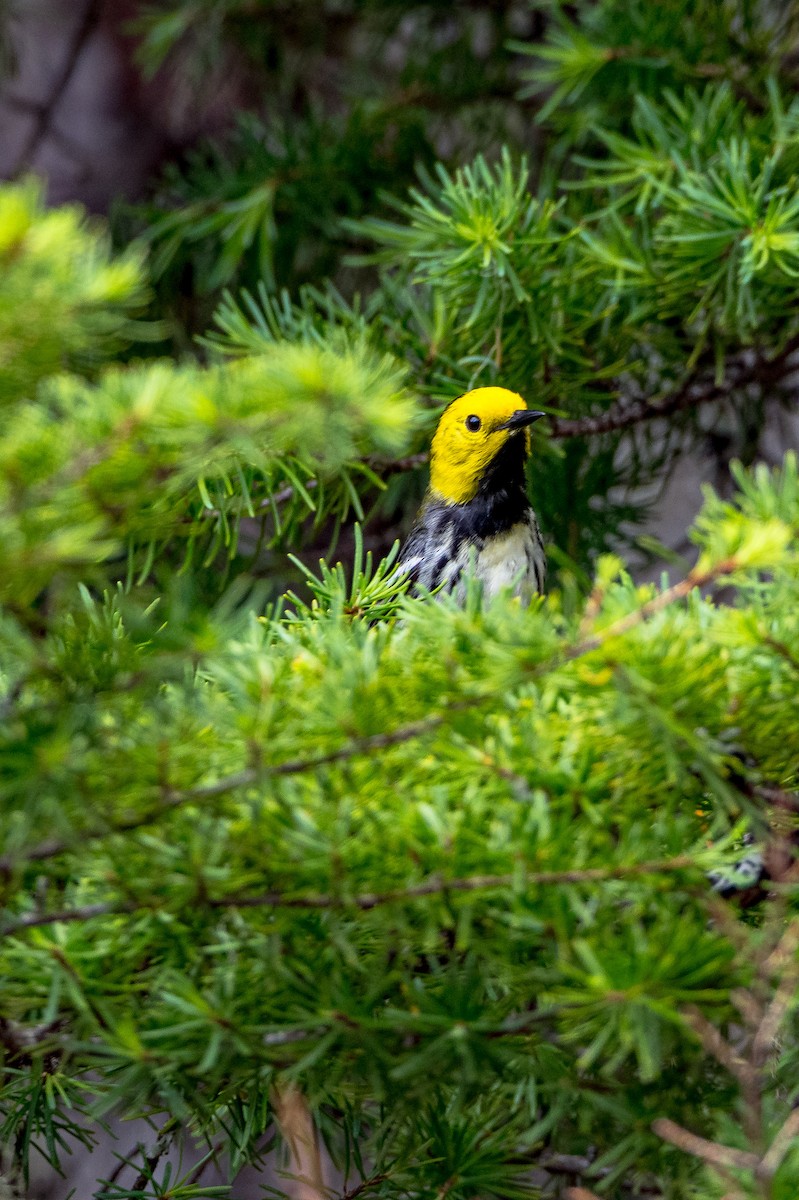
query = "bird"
{"x": 476, "y": 518}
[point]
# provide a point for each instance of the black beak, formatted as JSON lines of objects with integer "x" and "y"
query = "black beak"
{"x": 521, "y": 418}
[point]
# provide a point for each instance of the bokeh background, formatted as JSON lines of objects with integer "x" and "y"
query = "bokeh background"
{"x": 238, "y": 136}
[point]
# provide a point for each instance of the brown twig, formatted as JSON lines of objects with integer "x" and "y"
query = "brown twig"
{"x": 678, "y": 591}
{"x": 785, "y": 957}
{"x": 364, "y": 1186}
{"x": 87, "y": 912}
{"x": 691, "y": 393}
{"x": 783, "y": 651}
{"x": 43, "y": 113}
{"x": 781, "y": 1144}
{"x": 472, "y": 883}
{"x": 20, "y": 1041}
{"x": 369, "y": 900}
{"x": 173, "y": 798}
{"x": 153, "y": 1158}
{"x": 710, "y": 1152}
{"x": 296, "y": 1125}
{"x": 53, "y": 847}
{"x": 742, "y": 1069}
{"x": 202, "y": 1166}
{"x": 719, "y": 1048}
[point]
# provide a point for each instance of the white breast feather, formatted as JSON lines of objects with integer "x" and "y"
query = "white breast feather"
{"x": 506, "y": 560}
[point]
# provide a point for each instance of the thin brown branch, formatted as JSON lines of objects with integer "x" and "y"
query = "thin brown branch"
{"x": 783, "y": 651}
{"x": 123, "y": 1160}
{"x": 734, "y": 1192}
{"x": 694, "y": 579}
{"x": 44, "y": 112}
{"x": 789, "y": 801}
{"x": 53, "y": 847}
{"x": 279, "y": 497}
{"x": 780, "y": 1146}
{"x": 471, "y": 883}
{"x": 152, "y": 1159}
{"x": 779, "y": 957}
{"x": 710, "y": 1152}
{"x": 693, "y": 392}
{"x": 742, "y": 1069}
{"x": 364, "y": 1186}
{"x": 369, "y": 900}
{"x": 299, "y": 1133}
{"x": 86, "y": 912}
{"x": 784, "y": 996}
{"x": 173, "y": 798}
{"x": 625, "y": 415}
{"x": 205, "y": 1162}
{"x": 748, "y": 1006}
{"x": 564, "y": 1164}
{"x": 19, "y": 1042}
{"x": 719, "y": 1048}
{"x": 384, "y": 469}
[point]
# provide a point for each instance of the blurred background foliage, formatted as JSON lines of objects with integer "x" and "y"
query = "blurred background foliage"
{"x": 592, "y": 204}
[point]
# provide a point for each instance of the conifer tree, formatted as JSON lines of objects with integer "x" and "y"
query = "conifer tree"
{"x": 286, "y": 848}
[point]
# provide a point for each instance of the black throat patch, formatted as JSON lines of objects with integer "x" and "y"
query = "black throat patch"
{"x": 501, "y": 499}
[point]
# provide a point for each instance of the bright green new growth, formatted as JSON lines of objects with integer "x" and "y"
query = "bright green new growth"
{"x": 287, "y": 911}
{"x": 130, "y": 460}
{"x": 443, "y": 870}
{"x": 57, "y": 267}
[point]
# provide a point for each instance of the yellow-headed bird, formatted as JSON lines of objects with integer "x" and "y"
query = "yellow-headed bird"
{"x": 476, "y": 517}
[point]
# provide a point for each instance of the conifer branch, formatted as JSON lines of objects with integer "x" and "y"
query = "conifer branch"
{"x": 352, "y": 860}
{"x": 678, "y": 591}
{"x": 783, "y": 651}
{"x": 250, "y": 776}
{"x": 369, "y": 900}
{"x": 712, "y": 1153}
{"x": 474, "y": 883}
{"x": 153, "y": 1157}
{"x": 693, "y": 392}
{"x": 717, "y": 1046}
{"x": 205, "y": 1162}
{"x": 781, "y": 1144}
{"x": 783, "y": 997}
{"x": 366, "y": 1185}
{"x": 296, "y": 1124}
{"x": 19, "y": 1042}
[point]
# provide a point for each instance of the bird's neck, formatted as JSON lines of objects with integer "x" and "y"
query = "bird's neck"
{"x": 506, "y": 471}
{"x": 501, "y": 499}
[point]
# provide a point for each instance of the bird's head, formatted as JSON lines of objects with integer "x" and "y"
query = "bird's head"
{"x": 472, "y": 433}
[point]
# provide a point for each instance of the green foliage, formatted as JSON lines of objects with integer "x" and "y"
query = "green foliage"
{"x": 244, "y": 823}
{"x": 600, "y": 55}
{"x": 267, "y": 200}
{"x": 438, "y": 871}
{"x": 477, "y": 243}
{"x": 283, "y": 188}
{"x": 372, "y": 594}
{"x": 670, "y": 249}
{"x": 56, "y": 266}
{"x": 76, "y": 466}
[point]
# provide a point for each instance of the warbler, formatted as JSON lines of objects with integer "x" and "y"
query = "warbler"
{"x": 476, "y": 518}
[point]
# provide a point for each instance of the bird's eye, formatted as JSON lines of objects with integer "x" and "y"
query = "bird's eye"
{"x": 473, "y": 423}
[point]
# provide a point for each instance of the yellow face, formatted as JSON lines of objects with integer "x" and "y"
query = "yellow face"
{"x": 469, "y": 436}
